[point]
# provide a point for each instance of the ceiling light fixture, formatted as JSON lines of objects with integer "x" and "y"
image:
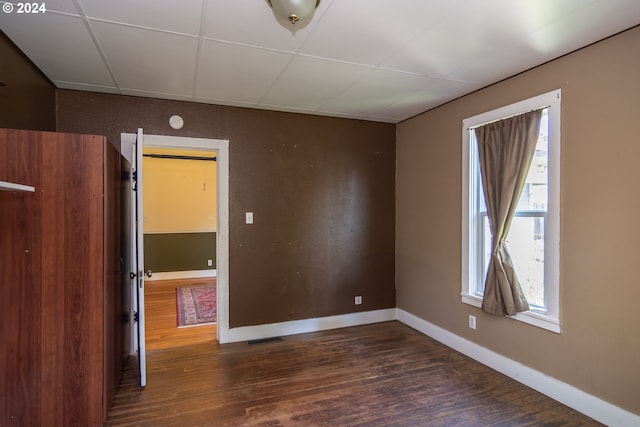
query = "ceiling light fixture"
{"x": 293, "y": 10}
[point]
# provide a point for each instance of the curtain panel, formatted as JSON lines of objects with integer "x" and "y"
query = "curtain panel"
{"x": 505, "y": 150}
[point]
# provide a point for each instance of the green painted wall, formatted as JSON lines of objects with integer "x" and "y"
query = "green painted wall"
{"x": 179, "y": 251}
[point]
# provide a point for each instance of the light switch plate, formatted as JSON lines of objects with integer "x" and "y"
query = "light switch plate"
{"x": 249, "y": 217}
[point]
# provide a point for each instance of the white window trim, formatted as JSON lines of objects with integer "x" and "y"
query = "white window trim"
{"x": 550, "y": 319}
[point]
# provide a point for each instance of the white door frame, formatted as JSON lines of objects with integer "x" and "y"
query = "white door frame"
{"x": 221, "y": 146}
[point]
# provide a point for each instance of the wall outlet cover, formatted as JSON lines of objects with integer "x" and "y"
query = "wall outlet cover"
{"x": 472, "y": 321}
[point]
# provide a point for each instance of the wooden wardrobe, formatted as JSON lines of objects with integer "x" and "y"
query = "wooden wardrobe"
{"x": 60, "y": 278}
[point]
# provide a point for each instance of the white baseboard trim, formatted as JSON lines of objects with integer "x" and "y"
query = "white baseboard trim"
{"x": 174, "y": 275}
{"x": 564, "y": 393}
{"x": 246, "y": 333}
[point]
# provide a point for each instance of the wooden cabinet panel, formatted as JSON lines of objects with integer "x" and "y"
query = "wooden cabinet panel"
{"x": 60, "y": 284}
{"x": 21, "y": 293}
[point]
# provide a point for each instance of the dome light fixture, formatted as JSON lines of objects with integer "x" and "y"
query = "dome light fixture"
{"x": 293, "y": 10}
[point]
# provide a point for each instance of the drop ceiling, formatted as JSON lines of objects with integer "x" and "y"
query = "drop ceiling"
{"x": 379, "y": 60}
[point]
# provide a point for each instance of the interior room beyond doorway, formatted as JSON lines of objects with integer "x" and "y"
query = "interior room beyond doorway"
{"x": 180, "y": 239}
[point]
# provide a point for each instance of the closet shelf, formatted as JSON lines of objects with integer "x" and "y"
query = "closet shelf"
{"x": 12, "y": 186}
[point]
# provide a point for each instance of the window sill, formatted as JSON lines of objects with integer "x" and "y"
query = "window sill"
{"x": 530, "y": 317}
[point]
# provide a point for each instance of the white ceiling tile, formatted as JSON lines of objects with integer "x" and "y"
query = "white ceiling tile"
{"x": 55, "y": 42}
{"x": 309, "y": 82}
{"x": 240, "y": 73}
{"x": 447, "y": 46}
{"x": 253, "y": 23}
{"x": 375, "y": 91}
{"x": 149, "y": 60}
{"x": 499, "y": 65}
{"x": 355, "y": 32}
{"x": 583, "y": 26}
{"x": 178, "y": 16}
{"x": 564, "y": 34}
{"x": 65, "y": 6}
{"x": 475, "y": 31}
{"x": 437, "y": 93}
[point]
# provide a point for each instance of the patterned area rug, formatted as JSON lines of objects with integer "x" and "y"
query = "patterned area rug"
{"x": 196, "y": 305}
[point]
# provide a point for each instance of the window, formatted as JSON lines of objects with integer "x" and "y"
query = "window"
{"x": 533, "y": 239}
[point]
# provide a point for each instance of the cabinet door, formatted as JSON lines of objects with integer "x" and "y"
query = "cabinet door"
{"x": 20, "y": 273}
{"x": 52, "y": 275}
{"x": 73, "y": 278}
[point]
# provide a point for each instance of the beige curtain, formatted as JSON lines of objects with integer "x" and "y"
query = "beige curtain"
{"x": 505, "y": 150}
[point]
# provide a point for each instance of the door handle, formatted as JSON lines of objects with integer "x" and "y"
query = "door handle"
{"x": 149, "y": 273}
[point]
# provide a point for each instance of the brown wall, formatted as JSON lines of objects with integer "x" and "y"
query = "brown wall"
{"x": 28, "y": 99}
{"x": 322, "y": 191}
{"x": 598, "y": 348}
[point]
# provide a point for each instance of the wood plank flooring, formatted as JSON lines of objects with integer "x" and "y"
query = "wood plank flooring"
{"x": 385, "y": 374}
{"x": 161, "y": 314}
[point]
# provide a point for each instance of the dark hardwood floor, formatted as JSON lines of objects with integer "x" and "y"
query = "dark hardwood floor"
{"x": 384, "y": 374}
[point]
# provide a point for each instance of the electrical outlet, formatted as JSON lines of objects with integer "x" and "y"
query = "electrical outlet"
{"x": 210, "y": 262}
{"x": 358, "y": 300}
{"x": 472, "y": 321}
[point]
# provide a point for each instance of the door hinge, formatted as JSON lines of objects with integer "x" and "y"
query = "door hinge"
{"x": 135, "y": 316}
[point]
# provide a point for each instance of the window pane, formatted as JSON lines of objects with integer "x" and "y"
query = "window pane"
{"x": 526, "y": 246}
{"x": 534, "y": 193}
{"x": 486, "y": 247}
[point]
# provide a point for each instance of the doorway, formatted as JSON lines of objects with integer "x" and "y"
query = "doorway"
{"x": 179, "y": 228}
{"x": 221, "y": 147}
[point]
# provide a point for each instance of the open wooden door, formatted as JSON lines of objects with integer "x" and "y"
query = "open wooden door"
{"x": 138, "y": 275}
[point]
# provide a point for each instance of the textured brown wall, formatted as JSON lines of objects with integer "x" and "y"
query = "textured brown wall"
{"x": 322, "y": 191}
{"x": 28, "y": 99}
{"x": 598, "y": 348}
